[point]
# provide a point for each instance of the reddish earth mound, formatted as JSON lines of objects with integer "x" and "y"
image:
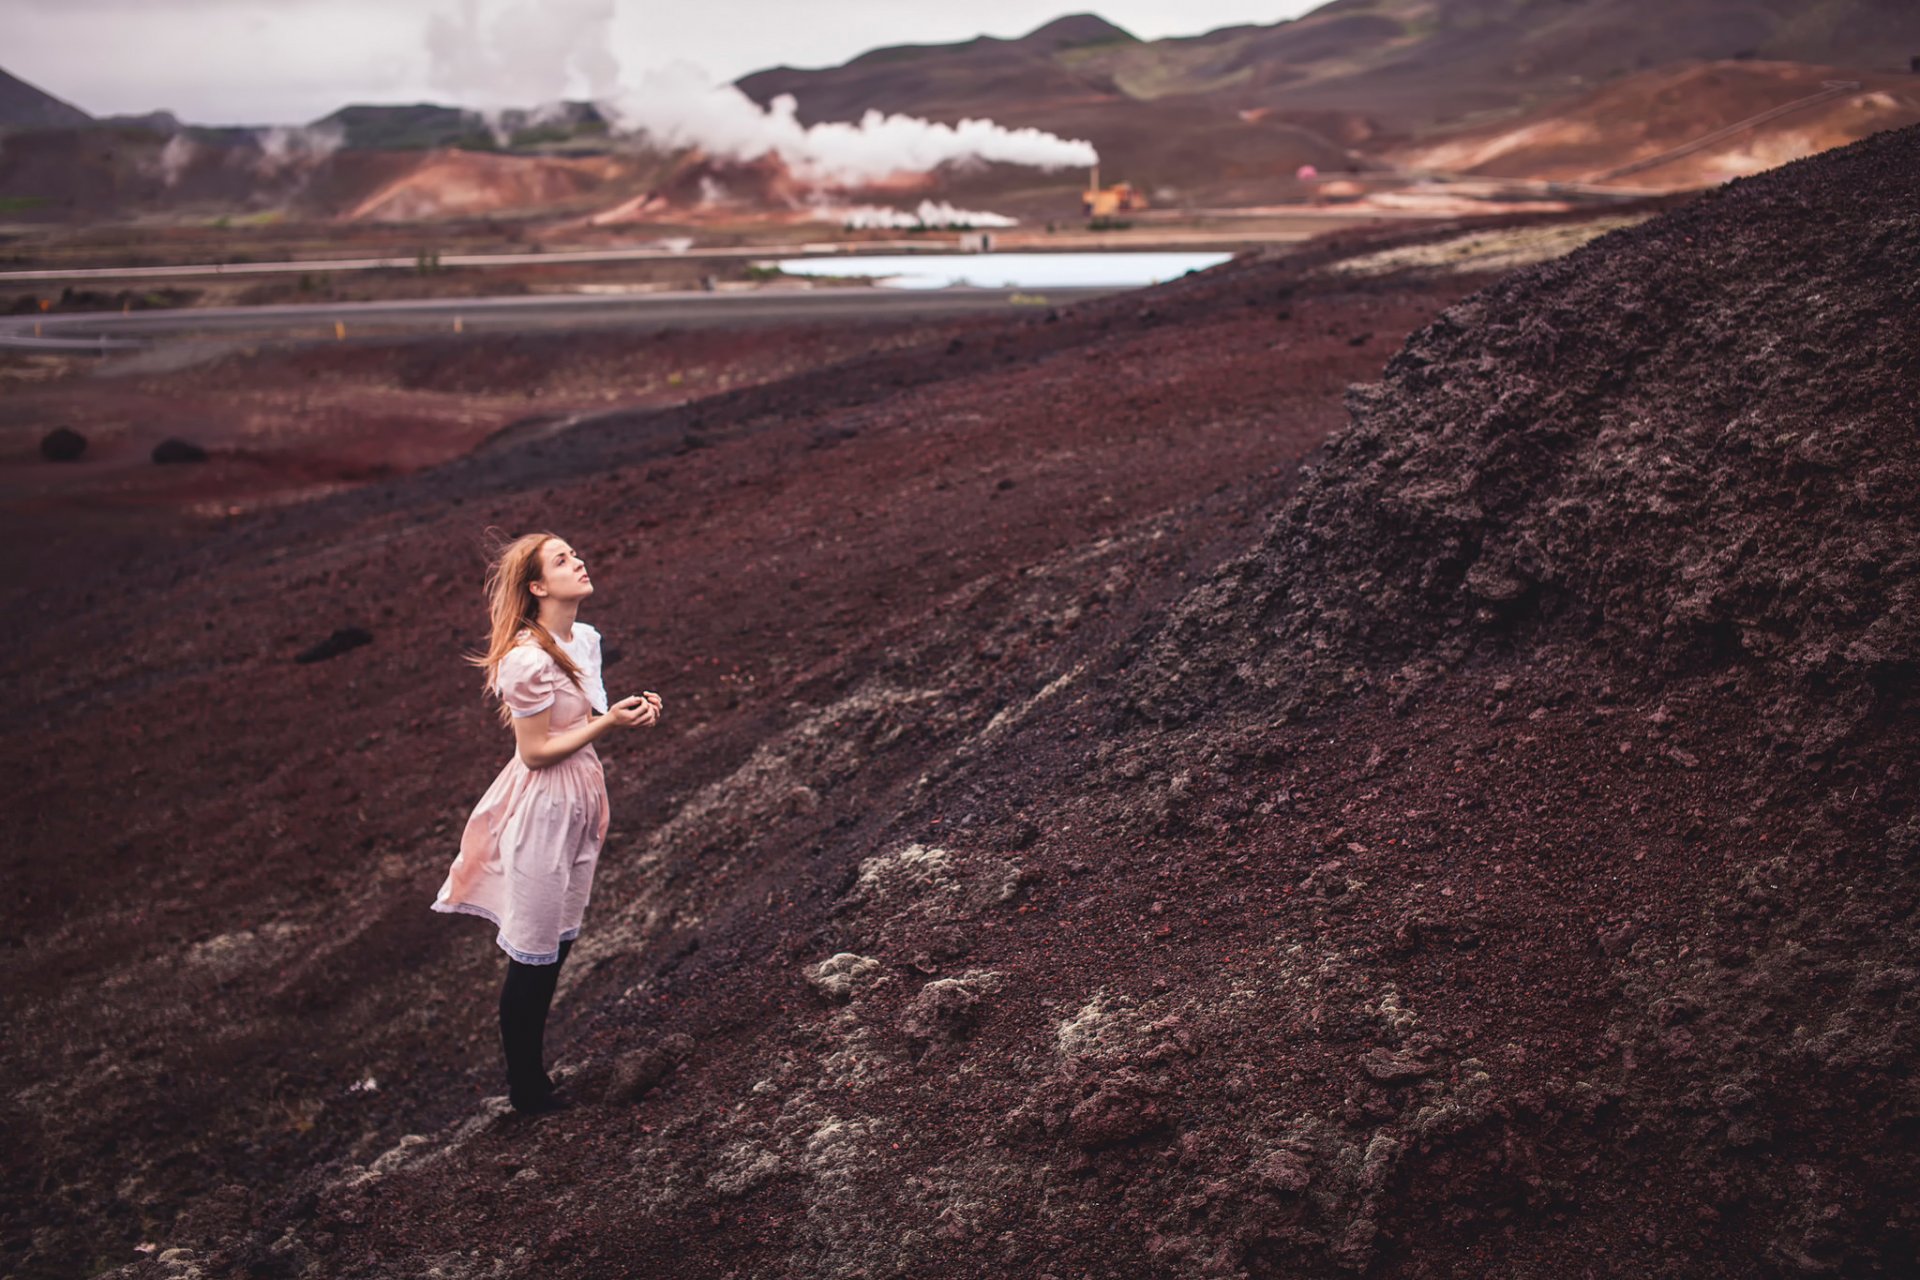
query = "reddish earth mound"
{"x": 1625, "y": 545}
{"x": 1623, "y": 549}
{"x": 81, "y": 175}
{"x": 450, "y": 183}
{"x": 1682, "y": 126}
{"x": 1690, "y": 441}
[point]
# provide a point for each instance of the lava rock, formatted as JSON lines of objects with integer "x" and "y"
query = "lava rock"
{"x": 840, "y": 976}
{"x": 176, "y": 450}
{"x": 334, "y": 645}
{"x": 1284, "y": 1170}
{"x": 635, "y": 1074}
{"x": 1122, "y": 1108}
{"x": 947, "y": 1008}
{"x": 62, "y": 444}
{"x": 1394, "y": 1068}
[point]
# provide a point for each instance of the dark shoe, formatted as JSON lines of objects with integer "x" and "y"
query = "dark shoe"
{"x": 552, "y": 1100}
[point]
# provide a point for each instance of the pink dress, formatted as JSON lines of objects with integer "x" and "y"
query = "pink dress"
{"x": 529, "y": 849}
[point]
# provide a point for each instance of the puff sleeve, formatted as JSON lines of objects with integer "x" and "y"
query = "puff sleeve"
{"x": 527, "y": 680}
{"x": 595, "y": 687}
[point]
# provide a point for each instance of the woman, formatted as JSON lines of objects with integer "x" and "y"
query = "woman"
{"x": 528, "y": 852}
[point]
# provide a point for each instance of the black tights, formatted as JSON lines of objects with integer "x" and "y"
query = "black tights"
{"x": 525, "y": 997}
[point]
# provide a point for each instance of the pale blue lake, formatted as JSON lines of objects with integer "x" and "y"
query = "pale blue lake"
{"x": 1008, "y": 270}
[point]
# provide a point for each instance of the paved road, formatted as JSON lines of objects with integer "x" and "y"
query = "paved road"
{"x": 544, "y": 259}
{"x": 114, "y": 330}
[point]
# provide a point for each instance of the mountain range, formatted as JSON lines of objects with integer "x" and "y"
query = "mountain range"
{"x": 1356, "y": 68}
{"x": 1509, "y": 88}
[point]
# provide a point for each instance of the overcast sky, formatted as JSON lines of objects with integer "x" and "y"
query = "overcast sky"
{"x": 292, "y": 61}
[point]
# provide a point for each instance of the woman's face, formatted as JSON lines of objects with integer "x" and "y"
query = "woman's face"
{"x": 563, "y": 574}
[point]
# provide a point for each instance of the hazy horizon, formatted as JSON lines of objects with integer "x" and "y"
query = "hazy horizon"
{"x": 290, "y": 62}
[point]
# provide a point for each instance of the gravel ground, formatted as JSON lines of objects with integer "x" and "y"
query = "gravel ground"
{"x": 1083, "y": 843}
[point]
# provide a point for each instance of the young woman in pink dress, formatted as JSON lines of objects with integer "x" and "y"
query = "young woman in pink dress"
{"x": 529, "y": 849}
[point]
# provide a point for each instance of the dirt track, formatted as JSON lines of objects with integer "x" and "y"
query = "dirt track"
{"x": 1350, "y": 885}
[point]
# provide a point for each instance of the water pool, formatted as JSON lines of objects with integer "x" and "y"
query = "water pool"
{"x": 1008, "y": 270}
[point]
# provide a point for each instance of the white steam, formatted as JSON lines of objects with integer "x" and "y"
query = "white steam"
{"x": 276, "y": 153}
{"x": 929, "y": 215}
{"x": 523, "y": 52}
{"x": 284, "y": 149}
{"x": 504, "y": 122}
{"x": 514, "y": 52}
{"x": 679, "y": 106}
{"x": 175, "y": 157}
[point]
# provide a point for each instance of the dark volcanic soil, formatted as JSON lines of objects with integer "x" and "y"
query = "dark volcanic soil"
{"x": 1071, "y": 851}
{"x": 287, "y": 424}
{"x": 191, "y": 1013}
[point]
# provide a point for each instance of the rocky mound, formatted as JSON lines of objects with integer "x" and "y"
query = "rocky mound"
{"x": 1664, "y": 481}
{"x": 1688, "y": 446}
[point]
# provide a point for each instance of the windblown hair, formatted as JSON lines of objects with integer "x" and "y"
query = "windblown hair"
{"x": 514, "y": 609}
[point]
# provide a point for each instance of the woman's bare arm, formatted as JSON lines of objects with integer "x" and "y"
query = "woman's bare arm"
{"x": 538, "y": 749}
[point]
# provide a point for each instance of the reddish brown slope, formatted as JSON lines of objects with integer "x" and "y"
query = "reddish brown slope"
{"x": 1500, "y": 862}
{"x": 1651, "y": 126}
{"x": 1504, "y": 863}
{"x": 190, "y": 1009}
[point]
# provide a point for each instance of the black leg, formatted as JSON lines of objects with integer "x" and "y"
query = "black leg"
{"x": 546, "y": 1003}
{"x": 525, "y": 997}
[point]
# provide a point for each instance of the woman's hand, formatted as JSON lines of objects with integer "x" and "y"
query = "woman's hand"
{"x": 640, "y": 709}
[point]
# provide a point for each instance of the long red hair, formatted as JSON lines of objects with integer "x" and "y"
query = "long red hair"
{"x": 513, "y": 608}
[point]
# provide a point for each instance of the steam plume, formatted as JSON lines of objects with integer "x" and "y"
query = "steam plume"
{"x": 175, "y": 157}
{"x": 283, "y": 149}
{"x": 525, "y": 53}
{"x": 679, "y": 106}
{"x": 929, "y": 214}
{"x": 522, "y": 52}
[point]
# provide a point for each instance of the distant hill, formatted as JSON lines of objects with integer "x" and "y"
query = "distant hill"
{"x": 981, "y": 76}
{"x": 1358, "y": 68}
{"x": 164, "y": 123}
{"x": 1417, "y": 65}
{"x": 426, "y": 126}
{"x": 1684, "y": 124}
{"x": 1065, "y": 78}
{"x": 417, "y": 127}
{"x": 24, "y": 107}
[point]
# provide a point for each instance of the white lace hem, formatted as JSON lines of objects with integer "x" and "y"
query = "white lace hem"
{"x": 524, "y": 957}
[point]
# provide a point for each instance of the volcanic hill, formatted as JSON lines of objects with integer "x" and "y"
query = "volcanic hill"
{"x": 1408, "y": 64}
{"x": 23, "y": 106}
{"x": 1489, "y": 850}
{"x": 1358, "y": 82}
